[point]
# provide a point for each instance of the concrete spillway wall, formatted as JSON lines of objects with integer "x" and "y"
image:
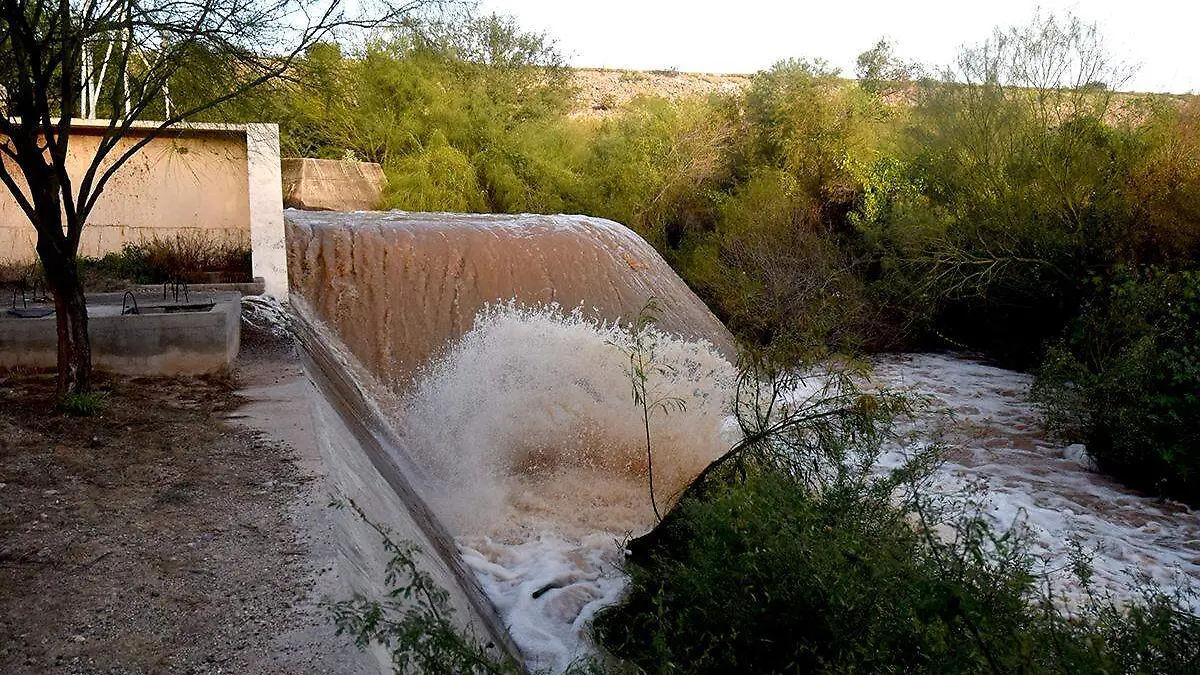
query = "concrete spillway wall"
{"x": 364, "y": 459}
{"x": 381, "y": 295}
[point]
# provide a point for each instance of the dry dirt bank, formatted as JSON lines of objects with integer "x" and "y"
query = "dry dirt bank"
{"x": 603, "y": 93}
{"x": 169, "y": 533}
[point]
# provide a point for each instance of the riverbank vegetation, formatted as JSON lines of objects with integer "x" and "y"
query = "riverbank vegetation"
{"x": 1002, "y": 206}
{"x": 1016, "y": 204}
{"x": 799, "y": 552}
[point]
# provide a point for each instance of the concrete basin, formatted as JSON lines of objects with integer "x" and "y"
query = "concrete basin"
{"x": 197, "y": 336}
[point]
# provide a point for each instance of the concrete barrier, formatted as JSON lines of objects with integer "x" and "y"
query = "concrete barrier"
{"x": 367, "y": 463}
{"x": 332, "y": 185}
{"x": 221, "y": 181}
{"x": 157, "y": 341}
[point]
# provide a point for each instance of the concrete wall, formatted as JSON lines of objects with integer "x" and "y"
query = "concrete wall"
{"x": 332, "y": 185}
{"x": 186, "y": 343}
{"x": 217, "y": 179}
{"x": 367, "y": 464}
{"x": 267, "y": 244}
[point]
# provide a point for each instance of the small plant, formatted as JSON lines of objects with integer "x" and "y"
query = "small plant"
{"x": 83, "y": 404}
{"x": 642, "y": 365}
{"x": 414, "y": 622}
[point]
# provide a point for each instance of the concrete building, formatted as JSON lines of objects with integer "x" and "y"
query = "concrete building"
{"x": 222, "y": 180}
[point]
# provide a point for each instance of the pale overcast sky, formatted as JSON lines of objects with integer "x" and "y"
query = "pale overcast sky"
{"x": 1162, "y": 37}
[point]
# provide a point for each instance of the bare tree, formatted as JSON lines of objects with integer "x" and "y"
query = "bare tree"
{"x": 115, "y": 59}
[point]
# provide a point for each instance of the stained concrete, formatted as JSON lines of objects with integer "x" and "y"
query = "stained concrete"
{"x": 220, "y": 182}
{"x": 157, "y": 341}
{"x": 332, "y": 185}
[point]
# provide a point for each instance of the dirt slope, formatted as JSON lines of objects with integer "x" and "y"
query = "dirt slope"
{"x": 602, "y": 93}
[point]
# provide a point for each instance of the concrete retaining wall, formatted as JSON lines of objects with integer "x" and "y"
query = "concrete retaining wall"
{"x": 366, "y": 463}
{"x": 221, "y": 181}
{"x": 185, "y": 343}
{"x": 332, "y": 185}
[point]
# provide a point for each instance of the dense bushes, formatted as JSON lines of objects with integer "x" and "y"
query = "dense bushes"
{"x": 768, "y": 577}
{"x": 794, "y": 556}
{"x": 1126, "y": 379}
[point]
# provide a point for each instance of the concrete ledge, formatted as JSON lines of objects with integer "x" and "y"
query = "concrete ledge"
{"x": 332, "y": 185}
{"x": 256, "y": 287}
{"x": 155, "y": 342}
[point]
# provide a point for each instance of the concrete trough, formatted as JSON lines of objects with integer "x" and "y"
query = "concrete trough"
{"x": 195, "y": 336}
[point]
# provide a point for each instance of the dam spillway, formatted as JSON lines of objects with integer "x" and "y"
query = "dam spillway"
{"x": 398, "y": 287}
{"x": 474, "y": 394}
{"x": 522, "y": 464}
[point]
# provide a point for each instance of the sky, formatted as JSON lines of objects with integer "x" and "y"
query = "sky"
{"x": 1160, "y": 37}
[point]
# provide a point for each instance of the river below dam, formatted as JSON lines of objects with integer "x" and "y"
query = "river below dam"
{"x": 497, "y": 351}
{"x": 549, "y": 575}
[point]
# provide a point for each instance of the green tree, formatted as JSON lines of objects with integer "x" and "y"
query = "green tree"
{"x": 117, "y": 59}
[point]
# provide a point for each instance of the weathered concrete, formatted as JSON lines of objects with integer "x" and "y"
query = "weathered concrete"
{"x": 268, "y": 247}
{"x": 366, "y": 464}
{"x": 154, "y": 342}
{"x": 219, "y": 181}
{"x": 332, "y": 185}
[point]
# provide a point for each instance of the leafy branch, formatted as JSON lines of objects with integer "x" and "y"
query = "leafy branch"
{"x": 644, "y": 363}
{"x": 414, "y": 620}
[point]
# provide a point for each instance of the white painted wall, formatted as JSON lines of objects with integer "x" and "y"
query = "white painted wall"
{"x": 267, "y": 244}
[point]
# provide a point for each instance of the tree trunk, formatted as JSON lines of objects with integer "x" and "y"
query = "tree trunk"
{"x": 74, "y": 347}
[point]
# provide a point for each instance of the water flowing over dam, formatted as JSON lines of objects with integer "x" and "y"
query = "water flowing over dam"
{"x": 485, "y": 363}
{"x": 398, "y": 287}
{"x": 497, "y": 431}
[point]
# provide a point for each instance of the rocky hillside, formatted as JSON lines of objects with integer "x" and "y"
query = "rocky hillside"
{"x": 601, "y": 93}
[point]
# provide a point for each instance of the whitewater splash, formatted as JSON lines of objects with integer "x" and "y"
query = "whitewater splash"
{"x": 543, "y": 530}
{"x": 533, "y": 453}
{"x": 997, "y": 442}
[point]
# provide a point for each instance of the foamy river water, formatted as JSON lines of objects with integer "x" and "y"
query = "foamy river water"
{"x": 548, "y": 580}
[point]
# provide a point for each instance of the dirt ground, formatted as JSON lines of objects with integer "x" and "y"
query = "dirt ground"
{"x": 164, "y": 534}
{"x": 602, "y": 94}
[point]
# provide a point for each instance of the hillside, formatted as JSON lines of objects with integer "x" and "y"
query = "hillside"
{"x": 601, "y": 92}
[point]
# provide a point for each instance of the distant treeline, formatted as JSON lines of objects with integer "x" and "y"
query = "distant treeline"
{"x": 1017, "y": 204}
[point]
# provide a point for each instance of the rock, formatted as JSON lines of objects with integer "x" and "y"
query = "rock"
{"x": 332, "y": 185}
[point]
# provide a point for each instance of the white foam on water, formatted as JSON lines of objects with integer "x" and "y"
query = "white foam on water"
{"x": 530, "y": 416}
{"x": 534, "y": 454}
{"x": 548, "y": 589}
{"x": 997, "y": 440}
{"x": 535, "y": 457}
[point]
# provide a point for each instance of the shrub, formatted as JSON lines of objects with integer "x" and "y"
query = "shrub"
{"x": 660, "y": 167}
{"x": 1126, "y": 380}
{"x": 774, "y": 272}
{"x": 194, "y": 257}
{"x": 794, "y": 553}
{"x": 83, "y": 404}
